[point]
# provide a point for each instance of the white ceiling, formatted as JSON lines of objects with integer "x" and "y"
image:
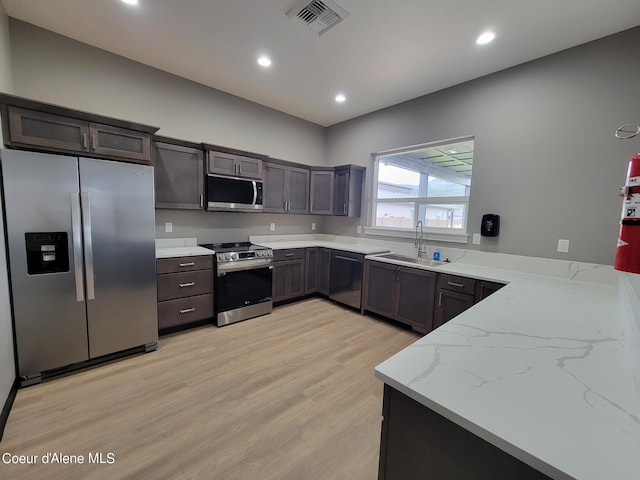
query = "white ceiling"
{"x": 385, "y": 52}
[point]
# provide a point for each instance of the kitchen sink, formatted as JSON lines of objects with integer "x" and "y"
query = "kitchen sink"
{"x": 415, "y": 260}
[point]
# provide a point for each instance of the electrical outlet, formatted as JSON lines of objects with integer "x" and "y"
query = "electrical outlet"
{"x": 563, "y": 246}
{"x": 168, "y": 227}
{"x": 476, "y": 239}
{"x": 313, "y": 226}
{"x": 358, "y": 229}
{"x": 273, "y": 227}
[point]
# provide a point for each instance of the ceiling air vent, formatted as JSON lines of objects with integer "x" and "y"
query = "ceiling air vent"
{"x": 319, "y": 15}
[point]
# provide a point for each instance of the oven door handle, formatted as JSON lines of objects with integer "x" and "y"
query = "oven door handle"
{"x": 238, "y": 268}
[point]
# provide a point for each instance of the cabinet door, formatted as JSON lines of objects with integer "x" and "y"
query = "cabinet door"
{"x": 380, "y": 288}
{"x": 296, "y": 278}
{"x": 415, "y": 298}
{"x": 221, "y": 163}
{"x": 274, "y": 188}
{"x": 450, "y": 304}
{"x": 298, "y": 183}
{"x": 31, "y": 128}
{"x": 179, "y": 176}
{"x": 324, "y": 270}
{"x": 120, "y": 142}
{"x": 341, "y": 193}
{"x": 280, "y": 280}
{"x": 249, "y": 167}
{"x": 311, "y": 270}
{"x": 322, "y": 192}
{"x": 484, "y": 289}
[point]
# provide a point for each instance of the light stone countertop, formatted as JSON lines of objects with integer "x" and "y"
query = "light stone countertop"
{"x": 180, "y": 247}
{"x": 347, "y": 247}
{"x": 543, "y": 369}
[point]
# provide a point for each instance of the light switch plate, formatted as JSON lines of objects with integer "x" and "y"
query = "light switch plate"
{"x": 563, "y": 246}
{"x": 273, "y": 227}
{"x": 358, "y": 229}
{"x": 476, "y": 239}
{"x": 313, "y": 225}
{"x": 168, "y": 227}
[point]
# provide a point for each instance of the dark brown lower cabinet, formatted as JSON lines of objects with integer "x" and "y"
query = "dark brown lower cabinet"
{"x": 311, "y": 271}
{"x": 289, "y": 274}
{"x": 418, "y": 443}
{"x": 185, "y": 290}
{"x": 403, "y": 294}
{"x": 324, "y": 270}
{"x": 454, "y": 294}
{"x": 485, "y": 288}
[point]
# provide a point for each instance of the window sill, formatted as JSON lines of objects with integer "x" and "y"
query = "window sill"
{"x": 451, "y": 237}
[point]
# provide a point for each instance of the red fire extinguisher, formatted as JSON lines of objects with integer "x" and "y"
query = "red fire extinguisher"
{"x": 628, "y": 249}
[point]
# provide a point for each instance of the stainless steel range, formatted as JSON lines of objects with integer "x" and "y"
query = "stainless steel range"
{"x": 243, "y": 281}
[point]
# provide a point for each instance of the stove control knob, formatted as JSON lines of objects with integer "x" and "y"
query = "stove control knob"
{"x": 227, "y": 256}
{"x": 233, "y": 256}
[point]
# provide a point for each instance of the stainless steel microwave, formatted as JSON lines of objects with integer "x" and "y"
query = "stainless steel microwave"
{"x": 233, "y": 194}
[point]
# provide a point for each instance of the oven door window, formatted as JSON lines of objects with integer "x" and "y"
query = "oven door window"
{"x": 240, "y": 289}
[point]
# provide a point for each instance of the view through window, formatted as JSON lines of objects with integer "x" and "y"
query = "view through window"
{"x": 430, "y": 183}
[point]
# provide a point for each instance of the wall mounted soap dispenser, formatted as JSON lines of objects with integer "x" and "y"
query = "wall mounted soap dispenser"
{"x": 490, "y": 225}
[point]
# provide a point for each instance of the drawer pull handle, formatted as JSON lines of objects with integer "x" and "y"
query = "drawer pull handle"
{"x": 453, "y": 284}
{"x": 190, "y": 284}
{"x": 188, "y": 264}
{"x": 289, "y": 254}
{"x": 440, "y": 300}
{"x": 187, "y": 310}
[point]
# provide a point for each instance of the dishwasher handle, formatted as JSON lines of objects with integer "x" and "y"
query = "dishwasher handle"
{"x": 349, "y": 259}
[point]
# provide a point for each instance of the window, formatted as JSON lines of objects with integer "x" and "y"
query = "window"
{"x": 430, "y": 183}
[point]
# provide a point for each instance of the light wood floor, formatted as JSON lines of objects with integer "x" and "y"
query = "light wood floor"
{"x": 291, "y": 395}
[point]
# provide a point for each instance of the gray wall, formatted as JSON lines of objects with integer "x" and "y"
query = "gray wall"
{"x": 7, "y": 369}
{"x": 546, "y": 158}
{"x": 58, "y": 70}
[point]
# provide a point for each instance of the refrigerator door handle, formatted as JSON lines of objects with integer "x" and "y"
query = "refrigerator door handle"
{"x": 76, "y": 241}
{"x": 88, "y": 245}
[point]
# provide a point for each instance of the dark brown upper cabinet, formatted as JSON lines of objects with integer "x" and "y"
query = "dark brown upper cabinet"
{"x": 286, "y": 188}
{"x": 51, "y": 132}
{"x": 347, "y": 197}
{"x": 179, "y": 175}
{"x": 321, "y": 196}
{"x": 233, "y": 164}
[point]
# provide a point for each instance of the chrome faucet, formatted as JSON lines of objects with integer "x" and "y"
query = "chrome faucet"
{"x": 419, "y": 240}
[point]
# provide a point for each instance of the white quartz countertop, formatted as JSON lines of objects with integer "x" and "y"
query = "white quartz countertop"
{"x": 347, "y": 247}
{"x": 169, "y": 252}
{"x": 543, "y": 369}
{"x": 180, "y": 247}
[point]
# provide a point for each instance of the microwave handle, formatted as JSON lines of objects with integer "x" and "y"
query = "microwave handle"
{"x": 255, "y": 192}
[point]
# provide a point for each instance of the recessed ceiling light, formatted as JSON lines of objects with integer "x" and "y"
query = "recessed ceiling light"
{"x": 264, "y": 61}
{"x": 130, "y": 2}
{"x": 452, "y": 151}
{"x": 340, "y": 98}
{"x": 485, "y": 37}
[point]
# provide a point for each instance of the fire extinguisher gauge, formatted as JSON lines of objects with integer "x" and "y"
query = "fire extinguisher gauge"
{"x": 628, "y": 130}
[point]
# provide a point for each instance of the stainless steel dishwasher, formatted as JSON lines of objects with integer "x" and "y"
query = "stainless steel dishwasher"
{"x": 345, "y": 284}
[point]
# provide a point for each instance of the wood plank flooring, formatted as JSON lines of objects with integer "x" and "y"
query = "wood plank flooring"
{"x": 291, "y": 395}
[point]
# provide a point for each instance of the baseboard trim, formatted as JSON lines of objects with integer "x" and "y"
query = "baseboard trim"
{"x": 4, "y": 415}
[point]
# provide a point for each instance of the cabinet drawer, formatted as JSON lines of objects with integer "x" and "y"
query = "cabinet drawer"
{"x": 289, "y": 254}
{"x": 183, "y": 264}
{"x": 456, "y": 283}
{"x": 185, "y": 310}
{"x": 179, "y": 285}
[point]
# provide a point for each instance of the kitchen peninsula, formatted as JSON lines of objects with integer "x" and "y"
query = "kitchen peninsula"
{"x": 543, "y": 370}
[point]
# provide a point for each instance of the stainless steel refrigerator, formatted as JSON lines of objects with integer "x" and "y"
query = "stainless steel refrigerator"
{"x": 81, "y": 242}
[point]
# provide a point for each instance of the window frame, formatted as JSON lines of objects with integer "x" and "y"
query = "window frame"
{"x": 454, "y": 235}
